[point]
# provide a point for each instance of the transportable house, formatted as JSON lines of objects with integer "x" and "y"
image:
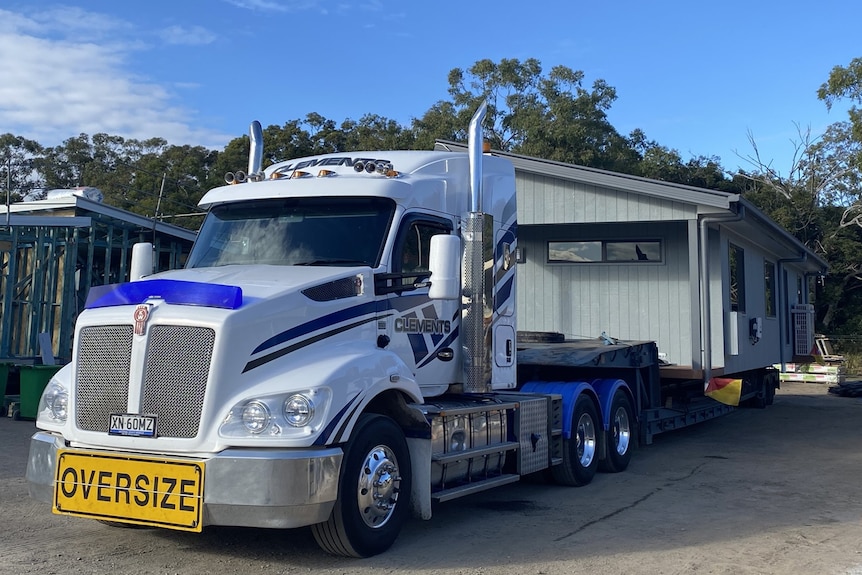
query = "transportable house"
{"x": 718, "y": 285}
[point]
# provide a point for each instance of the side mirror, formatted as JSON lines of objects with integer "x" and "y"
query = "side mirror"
{"x": 142, "y": 261}
{"x": 445, "y": 266}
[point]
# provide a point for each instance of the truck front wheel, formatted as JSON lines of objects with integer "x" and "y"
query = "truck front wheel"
{"x": 580, "y": 451}
{"x": 373, "y": 491}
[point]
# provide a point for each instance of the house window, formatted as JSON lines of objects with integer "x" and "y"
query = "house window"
{"x": 604, "y": 251}
{"x": 769, "y": 287}
{"x": 737, "y": 278}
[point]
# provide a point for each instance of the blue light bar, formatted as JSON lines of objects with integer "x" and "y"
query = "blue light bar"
{"x": 171, "y": 291}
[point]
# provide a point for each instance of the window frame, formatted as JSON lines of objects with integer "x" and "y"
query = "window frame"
{"x": 398, "y": 281}
{"x": 603, "y": 246}
{"x": 736, "y": 268}
{"x": 769, "y": 289}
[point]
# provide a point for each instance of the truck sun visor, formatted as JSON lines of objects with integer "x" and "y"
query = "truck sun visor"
{"x": 171, "y": 291}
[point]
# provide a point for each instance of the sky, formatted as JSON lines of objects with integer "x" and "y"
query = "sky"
{"x": 698, "y": 76}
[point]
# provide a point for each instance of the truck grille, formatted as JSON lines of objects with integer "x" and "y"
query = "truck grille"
{"x": 175, "y": 377}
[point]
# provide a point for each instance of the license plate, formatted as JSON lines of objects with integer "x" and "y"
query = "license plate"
{"x": 133, "y": 425}
{"x": 152, "y": 491}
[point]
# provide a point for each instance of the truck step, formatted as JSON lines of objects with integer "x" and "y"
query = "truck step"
{"x": 466, "y": 454}
{"x": 475, "y": 487}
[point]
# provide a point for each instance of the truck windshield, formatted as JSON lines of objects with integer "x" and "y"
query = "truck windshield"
{"x": 334, "y": 231}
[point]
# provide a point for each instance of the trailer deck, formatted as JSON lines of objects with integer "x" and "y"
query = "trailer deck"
{"x": 663, "y": 403}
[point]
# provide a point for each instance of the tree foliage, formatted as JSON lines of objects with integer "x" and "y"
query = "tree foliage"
{"x": 845, "y": 83}
{"x": 552, "y": 116}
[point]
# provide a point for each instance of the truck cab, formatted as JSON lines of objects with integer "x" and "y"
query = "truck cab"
{"x": 297, "y": 354}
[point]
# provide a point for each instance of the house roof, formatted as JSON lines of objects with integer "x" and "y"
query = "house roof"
{"x": 753, "y": 224}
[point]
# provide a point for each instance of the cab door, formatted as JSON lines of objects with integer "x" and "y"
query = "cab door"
{"x": 423, "y": 332}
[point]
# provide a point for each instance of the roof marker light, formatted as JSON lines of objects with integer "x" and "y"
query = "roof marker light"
{"x": 325, "y": 173}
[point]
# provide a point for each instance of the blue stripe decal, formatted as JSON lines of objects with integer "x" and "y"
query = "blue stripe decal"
{"x": 431, "y": 313}
{"x": 324, "y": 435}
{"x": 446, "y": 342}
{"x": 503, "y": 293}
{"x": 175, "y": 292}
{"x": 404, "y": 303}
{"x": 306, "y": 342}
{"x": 417, "y": 342}
{"x": 377, "y": 307}
{"x": 316, "y": 324}
{"x": 400, "y": 304}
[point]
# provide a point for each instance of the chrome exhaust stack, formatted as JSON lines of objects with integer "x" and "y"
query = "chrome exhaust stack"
{"x": 478, "y": 231}
{"x": 255, "y": 156}
{"x": 255, "y": 159}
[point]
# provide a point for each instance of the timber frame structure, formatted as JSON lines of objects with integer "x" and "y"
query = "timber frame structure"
{"x": 52, "y": 252}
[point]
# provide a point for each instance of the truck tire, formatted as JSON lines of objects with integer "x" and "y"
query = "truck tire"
{"x": 766, "y": 392}
{"x": 771, "y": 384}
{"x": 620, "y": 436}
{"x": 580, "y": 451}
{"x": 373, "y": 491}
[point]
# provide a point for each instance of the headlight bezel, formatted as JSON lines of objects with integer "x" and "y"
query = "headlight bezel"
{"x": 282, "y": 424}
{"x": 298, "y": 410}
{"x": 53, "y": 404}
{"x": 256, "y": 417}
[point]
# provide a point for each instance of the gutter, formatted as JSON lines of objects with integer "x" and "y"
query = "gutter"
{"x": 705, "y": 296}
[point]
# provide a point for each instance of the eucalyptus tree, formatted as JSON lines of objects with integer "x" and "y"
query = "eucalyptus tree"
{"x": 552, "y": 116}
{"x": 373, "y": 132}
{"x": 18, "y": 161}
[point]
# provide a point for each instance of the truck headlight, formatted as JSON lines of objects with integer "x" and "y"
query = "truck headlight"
{"x": 255, "y": 416}
{"x": 54, "y": 404}
{"x": 288, "y": 415}
{"x": 298, "y": 410}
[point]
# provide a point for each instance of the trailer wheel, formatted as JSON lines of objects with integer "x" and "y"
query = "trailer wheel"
{"x": 373, "y": 491}
{"x": 771, "y": 385}
{"x": 620, "y": 436}
{"x": 580, "y": 451}
{"x": 766, "y": 393}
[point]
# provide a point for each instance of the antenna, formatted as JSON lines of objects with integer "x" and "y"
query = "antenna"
{"x": 158, "y": 205}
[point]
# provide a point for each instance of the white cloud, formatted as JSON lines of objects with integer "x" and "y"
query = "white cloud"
{"x": 65, "y": 72}
{"x": 193, "y": 36}
{"x": 277, "y": 5}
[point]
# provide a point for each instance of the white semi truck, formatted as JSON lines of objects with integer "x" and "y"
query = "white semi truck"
{"x": 339, "y": 350}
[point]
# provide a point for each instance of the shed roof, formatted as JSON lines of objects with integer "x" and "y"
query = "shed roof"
{"x": 69, "y": 210}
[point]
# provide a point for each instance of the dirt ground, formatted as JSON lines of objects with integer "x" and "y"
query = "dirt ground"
{"x": 774, "y": 491}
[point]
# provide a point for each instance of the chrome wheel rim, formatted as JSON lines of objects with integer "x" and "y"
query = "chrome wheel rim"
{"x": 622, "y": 431}
{"x": 379, "y": 483}
{"x": 586, "y": 438}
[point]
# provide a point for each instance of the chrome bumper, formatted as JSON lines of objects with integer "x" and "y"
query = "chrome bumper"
{"x": 243, "y": 487}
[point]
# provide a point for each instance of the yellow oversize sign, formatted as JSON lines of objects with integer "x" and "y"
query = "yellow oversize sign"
{"x": 141, "y": 490}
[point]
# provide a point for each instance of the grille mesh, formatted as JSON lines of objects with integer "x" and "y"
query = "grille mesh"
{"x": 178, "y": 361}
{"x": 104, "y": 353}
{"x": 338, "y": 289}
{"x": 175, "y": 379}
